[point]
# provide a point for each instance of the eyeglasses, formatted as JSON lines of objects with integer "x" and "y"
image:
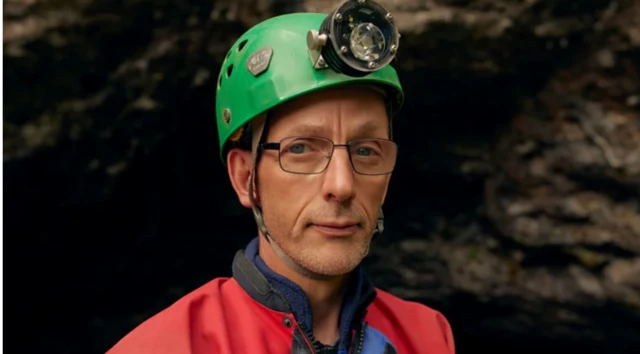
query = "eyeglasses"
{"x": 311, "y": 155}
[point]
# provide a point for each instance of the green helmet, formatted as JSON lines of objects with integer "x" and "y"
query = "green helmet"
{"x": 270, "y": 64}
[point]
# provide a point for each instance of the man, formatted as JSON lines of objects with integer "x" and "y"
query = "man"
{"x": 306, "y": 136}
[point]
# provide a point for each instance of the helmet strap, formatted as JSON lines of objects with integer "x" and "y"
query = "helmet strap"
{"x": 379, "y": 226}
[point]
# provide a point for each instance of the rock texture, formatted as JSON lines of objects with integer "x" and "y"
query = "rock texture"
{"x": 514, "y": 210}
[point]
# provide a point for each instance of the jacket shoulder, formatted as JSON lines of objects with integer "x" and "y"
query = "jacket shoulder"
{"x": 411, "y": 322}
{"x": 171, "y": 330}
{"x": 385, "y": 299}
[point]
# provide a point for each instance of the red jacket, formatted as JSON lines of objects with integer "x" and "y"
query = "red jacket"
{"x": 254, "y": 313}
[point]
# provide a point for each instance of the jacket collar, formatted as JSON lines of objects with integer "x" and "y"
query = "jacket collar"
{"x": 281, "y": 294}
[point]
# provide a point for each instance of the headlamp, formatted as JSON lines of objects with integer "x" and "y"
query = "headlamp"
{"x": 359, "y": 37}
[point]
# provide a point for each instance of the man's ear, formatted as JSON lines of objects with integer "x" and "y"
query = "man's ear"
{"x": 239, "y": 167}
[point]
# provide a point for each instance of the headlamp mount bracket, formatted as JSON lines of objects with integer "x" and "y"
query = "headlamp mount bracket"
{"x": 315, "y": 42}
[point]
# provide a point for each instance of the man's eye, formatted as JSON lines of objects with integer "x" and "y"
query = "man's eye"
{"x": 297, "y": 148}
{"x": 367, "y": 150}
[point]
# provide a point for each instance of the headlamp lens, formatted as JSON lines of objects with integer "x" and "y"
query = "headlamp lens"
{"x": 367, "y": 42}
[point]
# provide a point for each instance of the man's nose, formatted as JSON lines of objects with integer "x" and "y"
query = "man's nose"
{"x": 339, "y": 177}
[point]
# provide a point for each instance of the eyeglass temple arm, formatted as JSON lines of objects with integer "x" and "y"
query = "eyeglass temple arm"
{"x": 269, "y": 146}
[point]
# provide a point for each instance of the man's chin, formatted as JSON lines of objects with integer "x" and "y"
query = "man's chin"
{"x": 329, "y": 261}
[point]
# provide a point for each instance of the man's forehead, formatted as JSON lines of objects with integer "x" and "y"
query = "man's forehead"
{"x": 323, "y": 120}
{"x": 319, "y": 113}
{"x": 333, "y": 95}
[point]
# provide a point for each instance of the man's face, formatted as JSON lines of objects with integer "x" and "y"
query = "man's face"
{"x": 324, "y": 222}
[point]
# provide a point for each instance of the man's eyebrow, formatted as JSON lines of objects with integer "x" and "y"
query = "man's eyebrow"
{"x": 365, "y": 129}
{"x": 308, "y": 129}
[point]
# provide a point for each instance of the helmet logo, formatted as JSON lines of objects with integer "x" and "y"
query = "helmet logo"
{"x": 258, "y": 62}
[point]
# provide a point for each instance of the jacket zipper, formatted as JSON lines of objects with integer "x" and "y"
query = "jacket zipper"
{"x": 316, "y": 346}
{"x": 360, "y": 342}
{"x": 312, "y": 343}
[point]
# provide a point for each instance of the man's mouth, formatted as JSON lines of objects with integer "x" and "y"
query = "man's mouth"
{"x": 340, "y": 228}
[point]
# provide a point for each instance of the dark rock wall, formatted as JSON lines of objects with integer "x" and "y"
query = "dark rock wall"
{"x": 514, "y": 210}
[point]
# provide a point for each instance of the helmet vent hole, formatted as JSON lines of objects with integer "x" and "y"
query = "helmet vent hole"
{"x": 229, "y": 70}
{"x": 241, "y": 45}
{"x": 220, "y": 82}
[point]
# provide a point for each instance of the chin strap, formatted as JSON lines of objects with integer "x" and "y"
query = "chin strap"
{"x": 258, "y": 125}
{"x": 379, "y": 227}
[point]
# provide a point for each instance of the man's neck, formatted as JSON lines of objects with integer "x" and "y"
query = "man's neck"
{"x": 325, "y": 295}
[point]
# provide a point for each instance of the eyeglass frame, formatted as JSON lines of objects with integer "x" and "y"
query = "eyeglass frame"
{"x": 277, "y": 146}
